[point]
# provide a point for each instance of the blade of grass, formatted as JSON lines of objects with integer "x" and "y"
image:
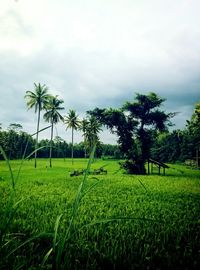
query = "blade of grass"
{"x": 74, "y": 209}
{"x": 25, "y": 149}
{"x": 9, "y": 167}
{"x": 47, "y": 256}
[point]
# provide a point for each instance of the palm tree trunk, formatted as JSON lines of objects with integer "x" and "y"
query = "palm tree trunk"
{"x": 36, "y": 144}
{"x": 72, "y": 145}
{"x": 50, "y": 151}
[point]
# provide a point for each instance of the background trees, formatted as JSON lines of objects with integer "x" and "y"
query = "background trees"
{"x": 141, "y": 128}
{"x": 14, "y": 143}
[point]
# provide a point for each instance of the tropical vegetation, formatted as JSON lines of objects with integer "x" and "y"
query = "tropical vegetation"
{"x": 109, "y": 215}
{"x": 38, "y": 100}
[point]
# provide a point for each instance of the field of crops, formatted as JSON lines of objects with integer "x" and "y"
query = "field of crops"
{"x": 111, "y": 221}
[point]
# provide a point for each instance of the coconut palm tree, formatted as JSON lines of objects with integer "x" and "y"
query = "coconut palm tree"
{"x": 72, "y": 121}
{"x": 84, "y": 128}
{"x": 38, "y": 100}
{"x": 93, "y": 128}
{"x": 53, "y": 116}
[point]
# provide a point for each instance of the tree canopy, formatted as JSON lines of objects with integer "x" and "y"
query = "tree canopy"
{"x": 135, "y": 125}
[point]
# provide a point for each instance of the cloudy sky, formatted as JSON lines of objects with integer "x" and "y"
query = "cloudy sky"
{"x": 98, "y": 53}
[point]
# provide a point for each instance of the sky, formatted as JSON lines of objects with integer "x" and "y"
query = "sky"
{"x": 98, "y": 53}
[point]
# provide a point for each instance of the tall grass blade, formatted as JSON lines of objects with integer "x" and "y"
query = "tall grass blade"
{"x": 74, "y": 209}
{"x": 25, "y": 149}
{"x": 9, "y": 167}
{"x": 56, "y": 230}
{"x": 142, "y": 184}
{"x": 40, "y": 131}
{"x": 47, "y": 256}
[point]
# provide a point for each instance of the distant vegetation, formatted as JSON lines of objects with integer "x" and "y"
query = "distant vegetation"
{"x": 102, "y": 217}
{"x": 140, "y": 126}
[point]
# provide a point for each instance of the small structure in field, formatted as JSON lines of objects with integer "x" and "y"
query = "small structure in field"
{"x": 101, "y": 170}
{"x": 158, "y": 164}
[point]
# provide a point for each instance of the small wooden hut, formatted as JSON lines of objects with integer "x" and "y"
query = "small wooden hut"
{"x": 158, "y": 164}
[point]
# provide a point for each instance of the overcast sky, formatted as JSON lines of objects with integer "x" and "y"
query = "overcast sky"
{"x": 98, "y": 53}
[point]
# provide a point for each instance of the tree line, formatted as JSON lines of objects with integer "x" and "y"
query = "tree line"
{"x": 180, "y": 145}
{"x": 14, "y": 141}
{"x": 140, "y": 126}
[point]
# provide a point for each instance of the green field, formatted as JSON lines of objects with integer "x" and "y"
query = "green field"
{"x": 122, "y": 222}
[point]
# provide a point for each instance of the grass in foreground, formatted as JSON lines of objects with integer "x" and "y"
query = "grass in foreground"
{"x": 161, "y": 230}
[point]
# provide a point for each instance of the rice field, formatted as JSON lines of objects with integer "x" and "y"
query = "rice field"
{"x": 109, "y": 221}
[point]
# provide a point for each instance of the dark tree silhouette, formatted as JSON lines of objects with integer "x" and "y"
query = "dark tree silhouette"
{"x": 134, "y": 125}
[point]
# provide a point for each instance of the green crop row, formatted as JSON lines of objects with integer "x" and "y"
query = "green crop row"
{"x": 122, "y": 221}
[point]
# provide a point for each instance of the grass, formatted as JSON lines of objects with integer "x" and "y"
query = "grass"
{"x": 160, "y": 231}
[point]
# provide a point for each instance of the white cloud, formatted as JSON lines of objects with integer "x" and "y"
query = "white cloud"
{"x": 98, "y": 53}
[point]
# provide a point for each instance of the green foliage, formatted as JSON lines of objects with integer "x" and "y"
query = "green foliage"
{"x": 39, "y": 100}
{"x": 135, "y": 125}
{"x": 91, "y": 128}
{"x": 161, "y": 230}
{"x": 14, "y": 143}
{"x": 71, "y": 120}
{"x": 179, "y": 145}
{"x": 53, "y": 116}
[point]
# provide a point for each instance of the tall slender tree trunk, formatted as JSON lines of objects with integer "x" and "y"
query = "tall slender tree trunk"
{"x": 144, "y": 150}
{"x": 50, "y": 151}
{"x": 36, "y": 143}
{"x": 72, "y": 145}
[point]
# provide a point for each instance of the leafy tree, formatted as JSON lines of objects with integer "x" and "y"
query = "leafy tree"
{"x": 38, "y": 100}
{"x": 53, "y": 116}
{"x": 168, "y": 146}
{"x": 72, "y": 121}
{"x": 135, "y": 123}
{"x": 193, "y": 129}
{"x": 193, "y": 125}
{"x": 14, "y": 143}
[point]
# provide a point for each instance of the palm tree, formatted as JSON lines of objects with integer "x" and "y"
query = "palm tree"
{"x": 53, "y": 116}
{"x": 72, "y": 121}
{"x": 39, "y": 100}
{"x": 94, "y": 127}
{"x": 84, "y": 128}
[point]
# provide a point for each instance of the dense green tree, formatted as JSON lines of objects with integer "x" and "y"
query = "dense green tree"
{"x": 53, "y": 116}
{"x": 38, "y": 100}
{"x": 193, "y": 126}
{"x": 134, "y": 124}
{"x": 167, "y": 147}
{"x": 71, "y": 120}
{"x": 193, "y": 130}
{"x": 15, "y": 143}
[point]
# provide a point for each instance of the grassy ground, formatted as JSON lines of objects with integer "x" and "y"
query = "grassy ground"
{"x": 124, "y": 222}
